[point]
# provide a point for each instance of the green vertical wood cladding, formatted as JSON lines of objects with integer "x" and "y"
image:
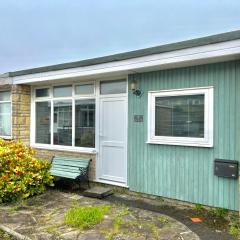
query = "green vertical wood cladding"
{"x": 186, "y": 173}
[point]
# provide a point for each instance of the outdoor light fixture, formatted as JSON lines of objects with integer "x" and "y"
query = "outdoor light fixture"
{"x": 135, "y": 90}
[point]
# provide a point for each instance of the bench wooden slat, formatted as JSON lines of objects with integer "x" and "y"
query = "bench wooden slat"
{"x": 72, "y": 163}
{"x": 71, "y": 159}
{"x": 65, "y": 168}
{"x": 64, "y": 174}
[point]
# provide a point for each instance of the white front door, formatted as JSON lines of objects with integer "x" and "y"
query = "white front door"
{"x": 113, "y": 140}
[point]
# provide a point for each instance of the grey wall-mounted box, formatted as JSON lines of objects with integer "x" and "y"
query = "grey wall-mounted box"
{"x": 226, "y": 168}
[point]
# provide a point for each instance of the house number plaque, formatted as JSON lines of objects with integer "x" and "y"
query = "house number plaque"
{"x": 138, "y": 118}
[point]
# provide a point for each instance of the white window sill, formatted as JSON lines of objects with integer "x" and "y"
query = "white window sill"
{"x": 181, "y": 143}
{"x": 64, "y": 148}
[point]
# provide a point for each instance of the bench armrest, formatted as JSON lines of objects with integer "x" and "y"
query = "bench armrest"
{"x": 52, "y": 159}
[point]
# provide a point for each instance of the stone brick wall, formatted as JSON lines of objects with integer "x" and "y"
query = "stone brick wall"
{"x": 21, "y": 107}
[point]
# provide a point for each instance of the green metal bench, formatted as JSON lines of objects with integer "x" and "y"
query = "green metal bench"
{"x": 71, "y": 168}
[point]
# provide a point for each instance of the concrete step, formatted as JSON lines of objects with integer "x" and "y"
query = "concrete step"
{"x": 98, "y": 192}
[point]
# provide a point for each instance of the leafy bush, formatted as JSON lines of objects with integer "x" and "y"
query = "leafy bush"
{"x": 219, "y": 212}
{"x": 85, "y": 217}
{"x": 198, "y": 208}
{"x": 21, "y": 175}
{"x": 235, "y": 228}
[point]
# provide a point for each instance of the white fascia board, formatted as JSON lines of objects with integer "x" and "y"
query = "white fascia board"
{"x": 184, "y": 57}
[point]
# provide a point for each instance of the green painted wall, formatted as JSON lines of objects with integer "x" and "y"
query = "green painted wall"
{"x": 186, "y": 173}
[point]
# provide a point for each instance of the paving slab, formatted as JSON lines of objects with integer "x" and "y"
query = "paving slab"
{"x": 182, "y": 213}
{"x": 42, "y": 217}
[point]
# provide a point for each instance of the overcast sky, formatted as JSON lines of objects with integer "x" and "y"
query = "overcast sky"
{"x": 38, "y": 33}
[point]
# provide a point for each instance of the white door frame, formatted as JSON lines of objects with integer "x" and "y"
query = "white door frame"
{"x": 97, "y": 134}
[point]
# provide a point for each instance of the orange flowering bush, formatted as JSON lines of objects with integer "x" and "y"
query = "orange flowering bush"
{"x": 21, "y": 175}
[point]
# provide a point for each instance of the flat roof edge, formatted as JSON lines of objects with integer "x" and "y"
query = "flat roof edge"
{"x": 217, "y": 38}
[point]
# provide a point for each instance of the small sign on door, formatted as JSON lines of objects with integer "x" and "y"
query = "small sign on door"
{"x": 138, "y": 118}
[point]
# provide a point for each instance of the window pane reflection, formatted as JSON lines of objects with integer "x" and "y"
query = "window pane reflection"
{"x": 62, "y": 126}
{"x": 85, "y": 123}
{"x": 113, "y": 87}
{"x": 180, "y": 116}
{"x": 84, "y": 89}
{"x": 43, "y": 122}
{"x": 62, "y": 91}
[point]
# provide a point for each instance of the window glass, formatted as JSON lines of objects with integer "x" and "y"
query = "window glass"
{"x": 84, "y": 89}
{"x": 85, "y": 123}
{"x": 62, "y": 91}
{"x": 113, "y": 87}
{"x": 54, "y": 123}
{"x": 180, "y": 116}
{"x": 5, "y": 119}
{"x": 43, "y": 122}
{"x": 62, "y": 127}
{"x": 5, "y": 96}
{"x": 43, "y": 92}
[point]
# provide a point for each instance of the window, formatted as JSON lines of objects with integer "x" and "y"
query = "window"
{"x": 62, "y": 126}
{"x": 181, "y": 117}
{"x": 62, "y": 91}
{"x": 42, "y": 92}
{"x": 5, "y": 114}
{"x": 85, "y": 123}
{"x": 113, "y": 87}
{"x": 65, "y": 116}
{"x": 84, "y": 89}
{"x": 43, "y": 122}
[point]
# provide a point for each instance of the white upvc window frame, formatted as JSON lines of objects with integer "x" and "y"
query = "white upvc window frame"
{"x": 206, "y": 141}
{"x": 8, "y": 101}
{"x": 52, "y": 99}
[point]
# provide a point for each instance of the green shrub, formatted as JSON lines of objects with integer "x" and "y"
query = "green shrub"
{"x": 85, "y": 217}
{"x": 219, "y": 212}
{"x": 198, "y": 208}
{"x": 21, "y": 175}
{"x": 235, "y": 228}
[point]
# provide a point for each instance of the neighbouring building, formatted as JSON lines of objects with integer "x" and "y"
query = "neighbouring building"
{"x": 153, "y": 120}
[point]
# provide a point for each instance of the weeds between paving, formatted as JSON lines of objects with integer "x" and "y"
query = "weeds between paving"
{"x": 56, "y": 214}
{"x": 48, "y": 211}
{"x": 216, "y": 224}
{"x": 5, "y": 236}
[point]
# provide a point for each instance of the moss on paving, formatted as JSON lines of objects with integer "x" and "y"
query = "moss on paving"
{"x": 5, "y": 236}
{"x": 135, "y": 228}
{"x": 45, "y": 219}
